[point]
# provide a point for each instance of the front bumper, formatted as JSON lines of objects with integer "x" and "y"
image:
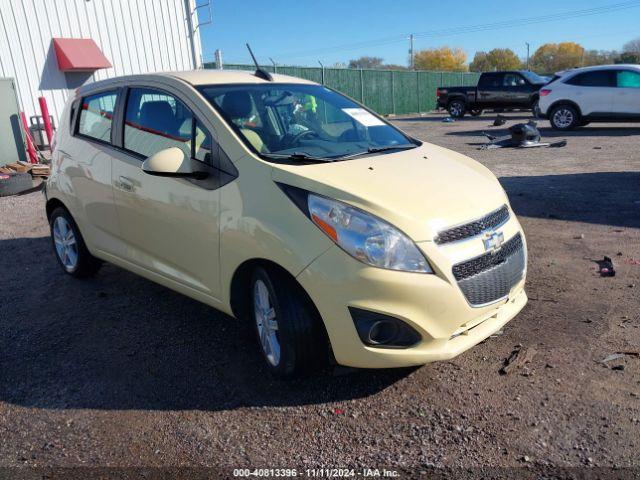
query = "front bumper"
{"x": 432, "y": 304}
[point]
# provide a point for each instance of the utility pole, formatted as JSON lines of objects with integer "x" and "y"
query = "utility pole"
{"x": 411, "y": 61}
{"x": 527, "y": 43}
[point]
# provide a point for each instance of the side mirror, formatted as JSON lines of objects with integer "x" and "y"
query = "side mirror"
{"x": 171, "y": 162}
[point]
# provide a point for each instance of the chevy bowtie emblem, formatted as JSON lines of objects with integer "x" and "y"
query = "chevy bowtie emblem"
{"x": 493, "y": 241}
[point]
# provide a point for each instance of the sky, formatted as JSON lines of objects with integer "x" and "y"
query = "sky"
{"x": 303, "y": 32}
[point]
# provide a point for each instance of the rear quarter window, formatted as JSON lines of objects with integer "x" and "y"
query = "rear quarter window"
{"x": 628, "y": 79}
{"x": 96, "y": 115}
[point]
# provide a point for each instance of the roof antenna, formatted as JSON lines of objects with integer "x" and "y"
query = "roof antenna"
{"x": 260, "y": 73}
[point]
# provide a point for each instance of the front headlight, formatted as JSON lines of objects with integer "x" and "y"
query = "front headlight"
{"x": 360, "y": 234}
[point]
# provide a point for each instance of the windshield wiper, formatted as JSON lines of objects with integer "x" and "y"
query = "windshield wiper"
{"x": 379, "y": 149}
{"x": 300, "y": 156}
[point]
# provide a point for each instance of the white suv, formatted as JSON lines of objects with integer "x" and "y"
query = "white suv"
{"x": 606, "y": 93}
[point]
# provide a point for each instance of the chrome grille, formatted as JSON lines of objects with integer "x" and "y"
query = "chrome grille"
{"x": 471, "y": 229}
{"x": 489, "y": 277}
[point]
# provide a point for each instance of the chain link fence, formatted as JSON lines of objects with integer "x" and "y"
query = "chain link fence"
{"x": 385, "y": 91}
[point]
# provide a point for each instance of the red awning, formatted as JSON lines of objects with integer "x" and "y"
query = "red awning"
{"x": 79, "y": 55}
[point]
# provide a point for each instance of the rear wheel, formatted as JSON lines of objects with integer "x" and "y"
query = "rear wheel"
{"x": 535, "y": 108}
{"x": 69, "y": 247}
{"x": 288, "y": 328}
{"x": 564, "y": 117}
{"x": 457, "y": 108}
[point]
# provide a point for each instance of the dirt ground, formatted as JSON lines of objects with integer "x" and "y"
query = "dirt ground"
{"x": 119, "y": 372}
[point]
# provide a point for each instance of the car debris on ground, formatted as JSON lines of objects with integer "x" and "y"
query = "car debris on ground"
{"x": 522, "y": 135}
{"x": 518, "y": 359}
{"x": 499, "y": 121}
{"x": 605, "y": 267}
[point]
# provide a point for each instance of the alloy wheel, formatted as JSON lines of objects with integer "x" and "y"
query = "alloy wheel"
{"x": 456, "y": 109}
{"x": 266, "y": 322}
{"x": 563, "y": 118}
{"x": 66, "y": 243}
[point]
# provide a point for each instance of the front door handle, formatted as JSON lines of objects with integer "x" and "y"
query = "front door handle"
{"x": 125, "y": 184}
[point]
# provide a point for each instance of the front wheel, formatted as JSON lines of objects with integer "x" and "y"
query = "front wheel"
{"x": 564, "y": 117}
{"x": 457, "y": 108}
{"x": 288, "y": 328}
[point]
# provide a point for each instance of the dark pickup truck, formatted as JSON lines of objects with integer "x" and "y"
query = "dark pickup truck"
{"x": 495, "y": 90}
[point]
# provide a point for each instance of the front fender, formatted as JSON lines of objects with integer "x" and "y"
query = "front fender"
{"x": 258, "y": 221}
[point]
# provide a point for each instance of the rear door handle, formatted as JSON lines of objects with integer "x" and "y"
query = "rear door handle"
{"x": 125, "y": 183}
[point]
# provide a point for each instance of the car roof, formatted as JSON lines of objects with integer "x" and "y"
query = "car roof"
{"x": 618, "y": 66}
{"x": 210, "y": 77}
{"x": 199, "y": 77}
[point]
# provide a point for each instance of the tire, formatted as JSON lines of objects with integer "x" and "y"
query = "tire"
{"x": 476, "y": 113}
{"x": 457, "y": 108}
{"x": 69, "y": 247}
{"x": 296, "y": 344}
{"x": 535, "y": 108}
{"x": 12, "y": 183}
{"x": 564, "y": 117}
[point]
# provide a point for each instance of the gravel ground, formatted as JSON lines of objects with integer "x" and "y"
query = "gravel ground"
{"x": 119, "y": 372}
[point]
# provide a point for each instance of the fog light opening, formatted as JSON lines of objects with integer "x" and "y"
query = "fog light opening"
{"x": 382, "y": 332}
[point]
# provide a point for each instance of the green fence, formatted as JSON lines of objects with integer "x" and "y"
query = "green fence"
{"x": 385, "y": 91}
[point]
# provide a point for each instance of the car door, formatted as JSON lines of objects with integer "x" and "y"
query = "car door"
{"x": 626, "y": 98}
{"x": 490, "y": 90}
{"x": 516, "y": 90}
{"x": 86, "y": 163}
{"x": 170, "y": 225}
{"x": 593, "y": 92}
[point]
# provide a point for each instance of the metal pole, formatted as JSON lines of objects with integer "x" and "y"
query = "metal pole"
{"x": 361, "y": 87}
{"x": 31, "y": 150}
{"x": 418, "y": 89}
{"x": 412, "y": 61}
{"x": 46, "y": 120}
{"x": 527, "y": 43}
{"x": 393, "y": 94}
{"x": 322, "y": 72}
{"x": 275, "y": 66}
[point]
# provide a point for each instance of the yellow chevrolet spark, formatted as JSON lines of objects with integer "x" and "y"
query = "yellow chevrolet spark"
{"x": 282, "y": 201}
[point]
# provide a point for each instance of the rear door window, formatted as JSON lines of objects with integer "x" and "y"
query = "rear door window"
{"x": 513, "y": 80}
{"x": 96, "y": 115}
{"x": 154, "y": 121}
{"x": 490, "y": 80}
{"x": 628, "y": 79}
{"x": 597, "y": 78}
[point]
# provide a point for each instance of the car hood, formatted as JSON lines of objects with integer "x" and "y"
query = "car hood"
{"x": 420, "y": 191}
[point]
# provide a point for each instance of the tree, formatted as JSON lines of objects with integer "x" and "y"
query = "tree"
{"x": 552, "y": 57}
{"x": 632, "y": 46}
{"x": 366, "y": 62}
{"x": 444, "y": 59}
{"x": 496, "y": 59}
{"x": 629, "y": 57}
{"x": 599, "y": 57}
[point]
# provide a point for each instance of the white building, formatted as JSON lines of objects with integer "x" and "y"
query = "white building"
{"x": 134, "y": 36}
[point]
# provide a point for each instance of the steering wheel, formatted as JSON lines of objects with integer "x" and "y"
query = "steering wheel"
{"x": 298, "y": 136}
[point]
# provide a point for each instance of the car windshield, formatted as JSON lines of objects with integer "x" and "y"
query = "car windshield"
{"x": 303, "y": 122}
{"x": 534, "y": 77}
